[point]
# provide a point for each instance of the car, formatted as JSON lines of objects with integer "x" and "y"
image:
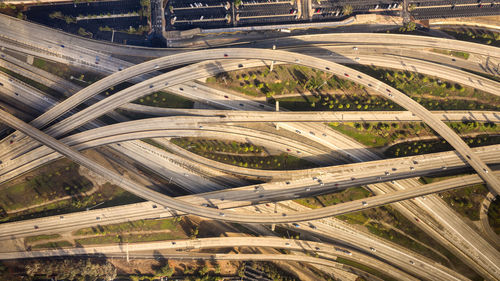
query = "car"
{"x": 35, "y": 226}
{"x": 154, "y": 206}
{"x": 173, "y": 243}
{"x": 308, "y": 189}
{"x": 287, "y": 244}
{"x": 364, "y": 203}
{"x": 225, "y": 55}
{"x": 242, "y": 104}
{"x": 412, "y": 262}
{"x": 317, "y": 248}
{"x": 346, "y": 75}
{"x": 296, "y": 225}
{"x": 484, "y": 170}
{"x": 98, "y": 218}
{"x": 62, "y": 46}
{"x": 288, "y": 149}
{"x": 287, "y": 182}
{"x": 314, "y": 178}
{"x": 61, "y": 217}
{"x": 150, "y": 86}
{"x": 312, "y": 133}
{"x": 267, "y": 204}
{"x": 444, "y": 167}
{"x": 355, "y": 48}
{"x": 372, "y": 249}
{"x": 324, "y": 135}
{"x": 221, "y": 214}
{"x": 327, "y": 68}
{"x": 356, "y": 59}
{"x": 226, "y": 96}
{"x": 412, "y": 168}
{"x": 387, "y": 173}
{"x": 240, "y": 65}
{"x": 417, "y": 220}
{"x": 394, "y": 169}
{"x": 157, "y": 66}
{"x": 182, "y": 89}
{"x": 353, "y": 178}
{"x": 312, "y": 226}
{"x": 297, "y": 131}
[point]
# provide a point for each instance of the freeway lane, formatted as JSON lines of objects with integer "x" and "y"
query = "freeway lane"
{"x": 39, "y": 33}
{"x": 320, "y": 116}
{"x": 137, "y": 91}
{"x": 85, "y": 219}
{"x": 182, "y": 126}
{"x": 218, "y": 242}
{"x": 160, "y": 198}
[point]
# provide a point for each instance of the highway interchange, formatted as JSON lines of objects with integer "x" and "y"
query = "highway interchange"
{"x": 183, "y": 75}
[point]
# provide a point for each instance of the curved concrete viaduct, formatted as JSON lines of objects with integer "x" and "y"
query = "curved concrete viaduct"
{"x": 213, "y": 243}
{"x": 176, "y": 77}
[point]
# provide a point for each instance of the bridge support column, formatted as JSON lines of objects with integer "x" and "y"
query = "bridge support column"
{"x": 128, "y": 257}
{"x": 277, "y": 125}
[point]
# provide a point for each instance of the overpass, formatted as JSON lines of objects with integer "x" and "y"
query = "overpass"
{"x": 175, "y": 77}
{"x": 155, "y": 196}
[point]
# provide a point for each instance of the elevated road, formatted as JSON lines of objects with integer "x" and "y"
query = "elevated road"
{"x": 108, "y": 214}
{"x": 157, "y": 197}
{"x": 13, "y": 26}
{"x": 180, "y": 126}
{"x": 320, "y": 116}
{"x": 214, "y": 243}
{"x": 158, "y": 82}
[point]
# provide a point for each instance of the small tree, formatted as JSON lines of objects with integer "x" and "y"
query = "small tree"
{"x": 347, "y": 10}
{"x": 165, "y": 271}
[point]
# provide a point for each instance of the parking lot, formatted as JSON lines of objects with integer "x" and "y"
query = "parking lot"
{"x": 94, "y": 25}
{"x": 182, "y": 15}
{"x": 335, "y": 9}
